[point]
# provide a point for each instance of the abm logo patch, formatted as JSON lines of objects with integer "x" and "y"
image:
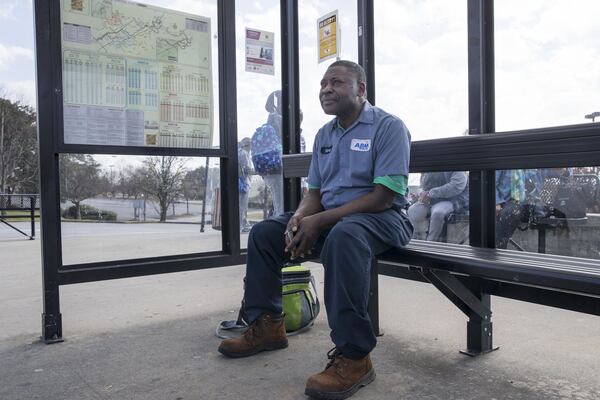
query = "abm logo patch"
{"x": 360, "y": 144}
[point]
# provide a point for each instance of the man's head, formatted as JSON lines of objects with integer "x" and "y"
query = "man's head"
{"x": 246, "y": 143}
{"x": 343, "y": 89}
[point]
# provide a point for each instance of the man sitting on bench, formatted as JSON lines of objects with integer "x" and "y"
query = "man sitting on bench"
{"x": 353, "y": 211}
{"x": 442, "y": 193}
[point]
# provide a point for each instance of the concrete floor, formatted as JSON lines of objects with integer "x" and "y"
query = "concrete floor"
{"x": 153, "y": 338}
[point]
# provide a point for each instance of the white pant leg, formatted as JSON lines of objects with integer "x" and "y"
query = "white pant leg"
{"x": 439, "y": 212}
{"x": 275, "y": 184}
{"x": 243, "y": 210}
{"x": 417, "y": 214}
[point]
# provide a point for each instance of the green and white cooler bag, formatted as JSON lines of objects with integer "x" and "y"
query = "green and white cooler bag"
{"x": 300, "y": 304}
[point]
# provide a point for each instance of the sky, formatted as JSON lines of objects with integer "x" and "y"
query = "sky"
{"x": 547, "y": 60}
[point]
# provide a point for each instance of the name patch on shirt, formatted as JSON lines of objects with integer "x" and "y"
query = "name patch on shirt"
{"x": 360, "y": 144}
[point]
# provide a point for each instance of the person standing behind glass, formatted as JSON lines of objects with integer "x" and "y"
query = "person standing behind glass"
{"x": 244, "y": 171}
{"x": 442, "y": 193}
{"x": 274, "y": 180}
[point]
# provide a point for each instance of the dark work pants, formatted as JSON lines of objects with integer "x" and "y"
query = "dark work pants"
{"x": 346, "y": 251}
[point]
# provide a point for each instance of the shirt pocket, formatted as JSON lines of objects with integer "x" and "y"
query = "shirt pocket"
{"x": 326, "y": 159}
{"x": 360, "y": 167}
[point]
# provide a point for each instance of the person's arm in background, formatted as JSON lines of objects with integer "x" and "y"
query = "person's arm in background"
{"x": 456, "y": 185}
{"x": 502, "y": 187}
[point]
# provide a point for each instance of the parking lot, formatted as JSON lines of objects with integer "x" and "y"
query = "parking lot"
{"x": 153, "y": 337}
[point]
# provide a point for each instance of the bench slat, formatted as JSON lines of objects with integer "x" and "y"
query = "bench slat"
{"x": 542, "y": 270}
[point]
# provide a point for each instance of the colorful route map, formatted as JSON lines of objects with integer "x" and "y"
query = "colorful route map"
{"x": 135, "y": 75}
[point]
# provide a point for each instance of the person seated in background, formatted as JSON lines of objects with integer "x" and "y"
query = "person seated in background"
{"x": 514, "y": 189}
{"x": 441, "y": 193}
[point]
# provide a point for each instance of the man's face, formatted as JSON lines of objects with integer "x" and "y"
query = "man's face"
{"x": 340, "y": 92}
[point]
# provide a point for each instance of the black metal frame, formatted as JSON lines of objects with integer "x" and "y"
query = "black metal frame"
{"x": 481, "y": 153}
{"x": 49, "y": 79}
{"x": 290, "y": 90}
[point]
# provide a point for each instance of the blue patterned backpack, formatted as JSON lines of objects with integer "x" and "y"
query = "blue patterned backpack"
{"x": 266, "y": 150}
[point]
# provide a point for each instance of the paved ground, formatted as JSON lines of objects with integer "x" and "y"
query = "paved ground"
{"x": 153, "y": 338}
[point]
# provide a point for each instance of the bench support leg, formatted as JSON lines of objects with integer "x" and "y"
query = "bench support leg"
{"x": 479, "y": 337}
{"x": 373, "y": 306}
{"x": 475, "y": 304}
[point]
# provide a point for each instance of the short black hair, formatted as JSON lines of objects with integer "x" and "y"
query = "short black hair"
{"x": 354, "y": 68}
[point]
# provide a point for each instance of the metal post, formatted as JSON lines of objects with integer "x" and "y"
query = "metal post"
{"x": 373, "y": 306}
{"x": 290, "y": 92}
{"x": 47, "y": 23}
{"x": 230, "y": 215}
{"x": 366, "y": 44}
{"x": 482, "y": 223}
{"x": 481, "y": 118}
{"x": 479, "y": 328}
{"x": 32, "y": 210}
{"x": 203, "y": 220}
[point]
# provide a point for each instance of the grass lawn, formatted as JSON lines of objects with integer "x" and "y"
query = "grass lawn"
{"x": 18, "y": 215}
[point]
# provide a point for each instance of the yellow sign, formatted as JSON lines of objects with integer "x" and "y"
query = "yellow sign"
{"x": 328, "y": 36}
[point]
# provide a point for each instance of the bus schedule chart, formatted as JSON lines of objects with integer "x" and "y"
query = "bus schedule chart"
{"x": 135, "y": 75}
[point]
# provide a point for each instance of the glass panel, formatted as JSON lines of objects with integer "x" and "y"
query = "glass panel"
{"x": 439, "y": 209}
{"x": 549, "y": 210}
{"x": 311, "y": 71}
{"x": 139, "y": 74}
{"x": 421, "y": 65}
{"x": 258, "y": 31}
{"x": 124, "y": 207}
{"x": 546, "y": 55}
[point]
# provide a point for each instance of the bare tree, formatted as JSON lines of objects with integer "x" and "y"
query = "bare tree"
{"x": 194, "y": 185}
{"x": 131, "y": 182}
{"x": 18, "y": 148}
{"x": 164, "y": 179}
{"x": 80, "y": 179}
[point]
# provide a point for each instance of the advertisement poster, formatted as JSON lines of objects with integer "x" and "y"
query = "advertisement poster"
{"x": 328, "y": 36}
{"x": 135, "y": 75}
{"x": 259, "y": 51}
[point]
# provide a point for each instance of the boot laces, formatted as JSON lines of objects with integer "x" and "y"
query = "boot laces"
{"x": 252, "y": 332}
{"x": 334, "y": 356}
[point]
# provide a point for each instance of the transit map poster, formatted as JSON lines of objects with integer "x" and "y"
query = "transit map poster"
{"x": 259, "y": 51}
{"x": 135, "y": 75}
{"x": 328, "y": 36}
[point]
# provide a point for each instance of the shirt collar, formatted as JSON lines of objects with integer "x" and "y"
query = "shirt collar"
{"x": 367, "y": 116}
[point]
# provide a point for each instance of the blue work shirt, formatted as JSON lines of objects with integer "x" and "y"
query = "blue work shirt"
{"x": 346, "y": 162}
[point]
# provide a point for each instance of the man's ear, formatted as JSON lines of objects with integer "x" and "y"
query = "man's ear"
{"x": 362, "y": 89}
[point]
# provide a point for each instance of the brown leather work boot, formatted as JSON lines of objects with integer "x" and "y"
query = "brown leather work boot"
{"x": 265, "y": 333}
{"x": 341, "y": 378}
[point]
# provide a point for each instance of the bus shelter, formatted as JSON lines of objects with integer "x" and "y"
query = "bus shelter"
{"x": 130, "y": 79}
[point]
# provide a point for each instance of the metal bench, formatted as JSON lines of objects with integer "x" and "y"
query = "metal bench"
{"x": 468, "y": 276}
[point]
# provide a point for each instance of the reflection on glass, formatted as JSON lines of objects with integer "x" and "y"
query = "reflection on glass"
{"x": 543, "y": 54}
{"x": 311, "y": 71}
{"x": 124, "y": 207}
{"x": 549, "y": 210}
{"x": 260, "y": 179}
{"x": 421, "y": 65}
{"x": 439, "y": 208}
